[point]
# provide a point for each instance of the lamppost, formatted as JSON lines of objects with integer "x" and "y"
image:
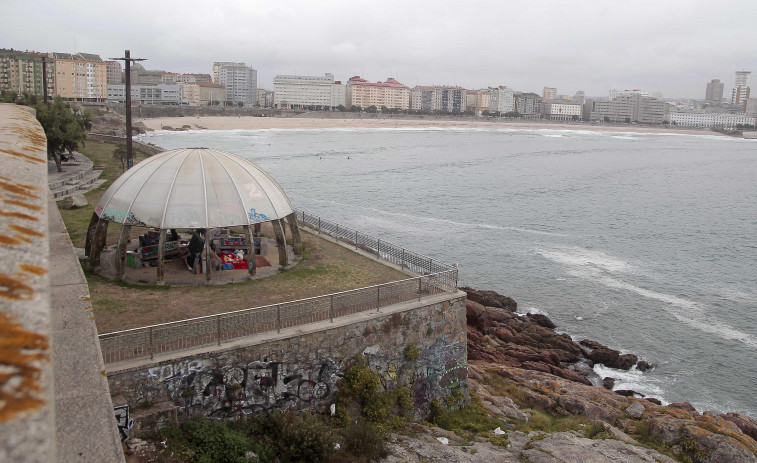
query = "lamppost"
{"x": 127, "y": 60}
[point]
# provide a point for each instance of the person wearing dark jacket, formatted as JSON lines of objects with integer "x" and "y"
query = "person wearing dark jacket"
{"x": 195, "y": 246}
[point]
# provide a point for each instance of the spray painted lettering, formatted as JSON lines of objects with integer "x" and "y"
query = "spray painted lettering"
{"x": 122, "y": 421}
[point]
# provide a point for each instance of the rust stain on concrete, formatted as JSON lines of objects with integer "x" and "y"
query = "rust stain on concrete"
{"x": 18, "y": 215}
{"x": 33, "y": 269}
{"x": 23, "y": 156}
{"x": 9, "y": 240}
{"x": 13, "y": 288}
{"x": 26, "y": 230}
{"x": 17, "y": 188}
{"x": 33, "y": 207}
{"x": 22, "y": 353}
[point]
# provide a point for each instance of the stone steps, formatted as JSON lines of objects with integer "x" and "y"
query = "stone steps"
{"x": 82, "y": 181}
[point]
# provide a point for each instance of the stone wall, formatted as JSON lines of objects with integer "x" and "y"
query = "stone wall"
{"x": 302, "y": 371}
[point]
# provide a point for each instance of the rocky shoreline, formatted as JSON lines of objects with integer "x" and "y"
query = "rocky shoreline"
{"x": 554, "y": 374}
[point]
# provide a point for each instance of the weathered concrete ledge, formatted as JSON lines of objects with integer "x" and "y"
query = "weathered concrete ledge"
{"x": 54, "y": 400}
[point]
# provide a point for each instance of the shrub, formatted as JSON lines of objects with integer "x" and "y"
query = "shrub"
{"x": 412, "y": 352}
{"x": 363, "y": 439}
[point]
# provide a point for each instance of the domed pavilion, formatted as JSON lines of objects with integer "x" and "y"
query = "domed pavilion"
{"x": 191, "y": 189}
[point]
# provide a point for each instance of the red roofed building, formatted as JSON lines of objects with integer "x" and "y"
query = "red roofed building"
{"x": 391, "y": 93}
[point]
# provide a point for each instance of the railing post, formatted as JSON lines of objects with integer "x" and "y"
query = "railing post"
{"x": 420, "y": 280}
{"x": 218, "y": 323}
{"x": 378, "y": 298}
{"x": 319, "y": 225}
{"x": 337, "y": 232}
{"x": 331, "y": 309}
{"x": 278, "y": 318}
{"x": 403, "y": 257}
{"x": 356, "y": 239}
{"x": 430, "y": 262}
{"x": 378, "y": 248}
{"x": 151, "y": 348}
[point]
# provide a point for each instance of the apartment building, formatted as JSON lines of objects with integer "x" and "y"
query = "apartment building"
{"x": 529, "y": 105}
{"x": 21, "y": 72}
{"x": 630, "y": 107}
{"x": 502, "y": 100}
{"x": 710, "y": 120}
{"x": 478, "y": 101}
{"x": 549, "y": 93}
{"x": 302, "y": 92}
{"x": 113, "y": 72}
{"x": 202, "y": 94}
{"x": 80, "y": 76}
{"x": 175, "y": 78}
{"x": 142, "y": 76}
{"x": 391, "y": 93}
{"x": 241, "y": 83}
{"x": 438, "y": 98}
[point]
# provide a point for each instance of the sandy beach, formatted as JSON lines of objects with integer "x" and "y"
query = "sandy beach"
{"x": 316, "y": 122}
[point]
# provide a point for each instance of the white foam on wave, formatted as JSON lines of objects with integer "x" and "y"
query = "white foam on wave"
{"x": 598, "y": 267}
{"x": 574, "y": 256}
{"x": 414, "y": 217}
{"x": 532, "y": 311}
{"x": 632, "y": 379}
{"x": 625, "y": 137}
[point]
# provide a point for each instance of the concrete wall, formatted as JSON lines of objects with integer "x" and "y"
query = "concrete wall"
{"x": 302, "y": 370}
{"x": 54, "y": 400}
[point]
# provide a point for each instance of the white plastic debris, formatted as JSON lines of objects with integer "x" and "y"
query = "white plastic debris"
{"x": 332, "y": 409}
{"x": 443, "y": 440}
{"x": 337, "y": 446}
{"x": 499, "y": 431}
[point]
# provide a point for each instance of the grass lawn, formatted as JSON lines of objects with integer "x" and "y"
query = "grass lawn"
{"x": 326, "y": 267}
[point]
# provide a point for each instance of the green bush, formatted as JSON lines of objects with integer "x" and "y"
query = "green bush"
{"x": 364, "y": 440}
{"x": 412, "y": 352}
{"x": 209, "y": 441}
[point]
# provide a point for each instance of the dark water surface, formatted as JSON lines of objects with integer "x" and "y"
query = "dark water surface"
{"x": 643, "y": 242}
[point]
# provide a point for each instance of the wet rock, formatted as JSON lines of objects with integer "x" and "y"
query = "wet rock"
{"x": 608, "y": 383}
{"x": 626, "y": 392}
{"x": 541, "y": 320}
{"x": 684, "y": 406}
{"x": 625, "y": 361}
{"x": 643, "y": 366}
{"x": 653, "y": 400}
{"x": 491, "y": 299}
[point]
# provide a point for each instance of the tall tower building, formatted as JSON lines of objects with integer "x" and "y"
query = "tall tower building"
{"x": 549, "y": 93}
{"x": 241, "y": 83}
{"x": 714, "y": 94}
{"x": 741, "y": 88}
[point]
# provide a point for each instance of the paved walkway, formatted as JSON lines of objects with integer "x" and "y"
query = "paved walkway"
{"x": 75, "y": 178}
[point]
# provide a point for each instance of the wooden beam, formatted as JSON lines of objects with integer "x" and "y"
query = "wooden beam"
{"x": 90, "y": 234}
{"x": 252, "y": 267}
{"x": 294, "y": 230}
{"x": 123, "y": 238}
{"x": 161, "y": 254}
{"x": 281, "y": 243}
{"x": 98, "y": 243}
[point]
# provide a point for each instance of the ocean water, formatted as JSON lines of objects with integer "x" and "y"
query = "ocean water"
{"x": 643, "y": 242}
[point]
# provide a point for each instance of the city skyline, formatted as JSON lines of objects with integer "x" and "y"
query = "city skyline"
{"x": 674, "y": 48}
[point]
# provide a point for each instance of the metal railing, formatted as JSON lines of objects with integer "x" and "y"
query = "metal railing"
{"x": 147, "y": 341}
{"x": 383, "y": 250}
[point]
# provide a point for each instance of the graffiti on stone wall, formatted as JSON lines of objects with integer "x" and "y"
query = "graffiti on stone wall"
{"x": 199, "y": 387}
{"x": 441, "y": 369}
{"x": 122, "y": 421}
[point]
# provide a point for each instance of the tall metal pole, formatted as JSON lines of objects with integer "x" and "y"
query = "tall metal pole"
{"x": 129, "y": 156}
{"x": 44, "y": 79}
{"x": 127, "y": 59}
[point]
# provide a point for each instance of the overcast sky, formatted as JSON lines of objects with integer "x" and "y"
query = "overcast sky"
{"x": 669, "y": 46}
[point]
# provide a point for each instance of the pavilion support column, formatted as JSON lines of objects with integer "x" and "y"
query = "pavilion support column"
{"x": 161, "y": 255}
{"x": 252, "y": 267}
{"x": 208, "y": 234}
{"x": 123, "y": 238}
{"x": 281, "y": 242}
{"x": 257, "y": 229}
{"x": 98, "y": 243}
{"x": 90, "y": 234}
{"x": 294, "y": 229}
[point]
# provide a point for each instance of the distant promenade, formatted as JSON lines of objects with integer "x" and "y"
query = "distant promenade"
{"x": 350, "y": 121}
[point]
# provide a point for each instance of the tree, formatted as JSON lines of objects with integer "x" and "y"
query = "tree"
{"x": 607, "y": 118}
{"x": 64, "y": 127}
{"x": 355, "y": 109}
{"x": 627, "y": 120}
{"x": 371, "y": 109}
{"x": 575, "y": 117}
{"x": 119, "y": 153}
{"x": 513, "y": 114}
{"x": 9, "y": 96}
{"x": 340, "y": 108}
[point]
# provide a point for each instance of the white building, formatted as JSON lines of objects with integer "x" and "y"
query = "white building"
{"x": 338, "y": 95}
{"x": 563, "y": 111}
{"x": 146, "y": 94}
{"x": 711, "y": 120}
{"x": 303, "y": 92}
{"x": 502, "y": 100}
{"x": 241, "y": 83}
